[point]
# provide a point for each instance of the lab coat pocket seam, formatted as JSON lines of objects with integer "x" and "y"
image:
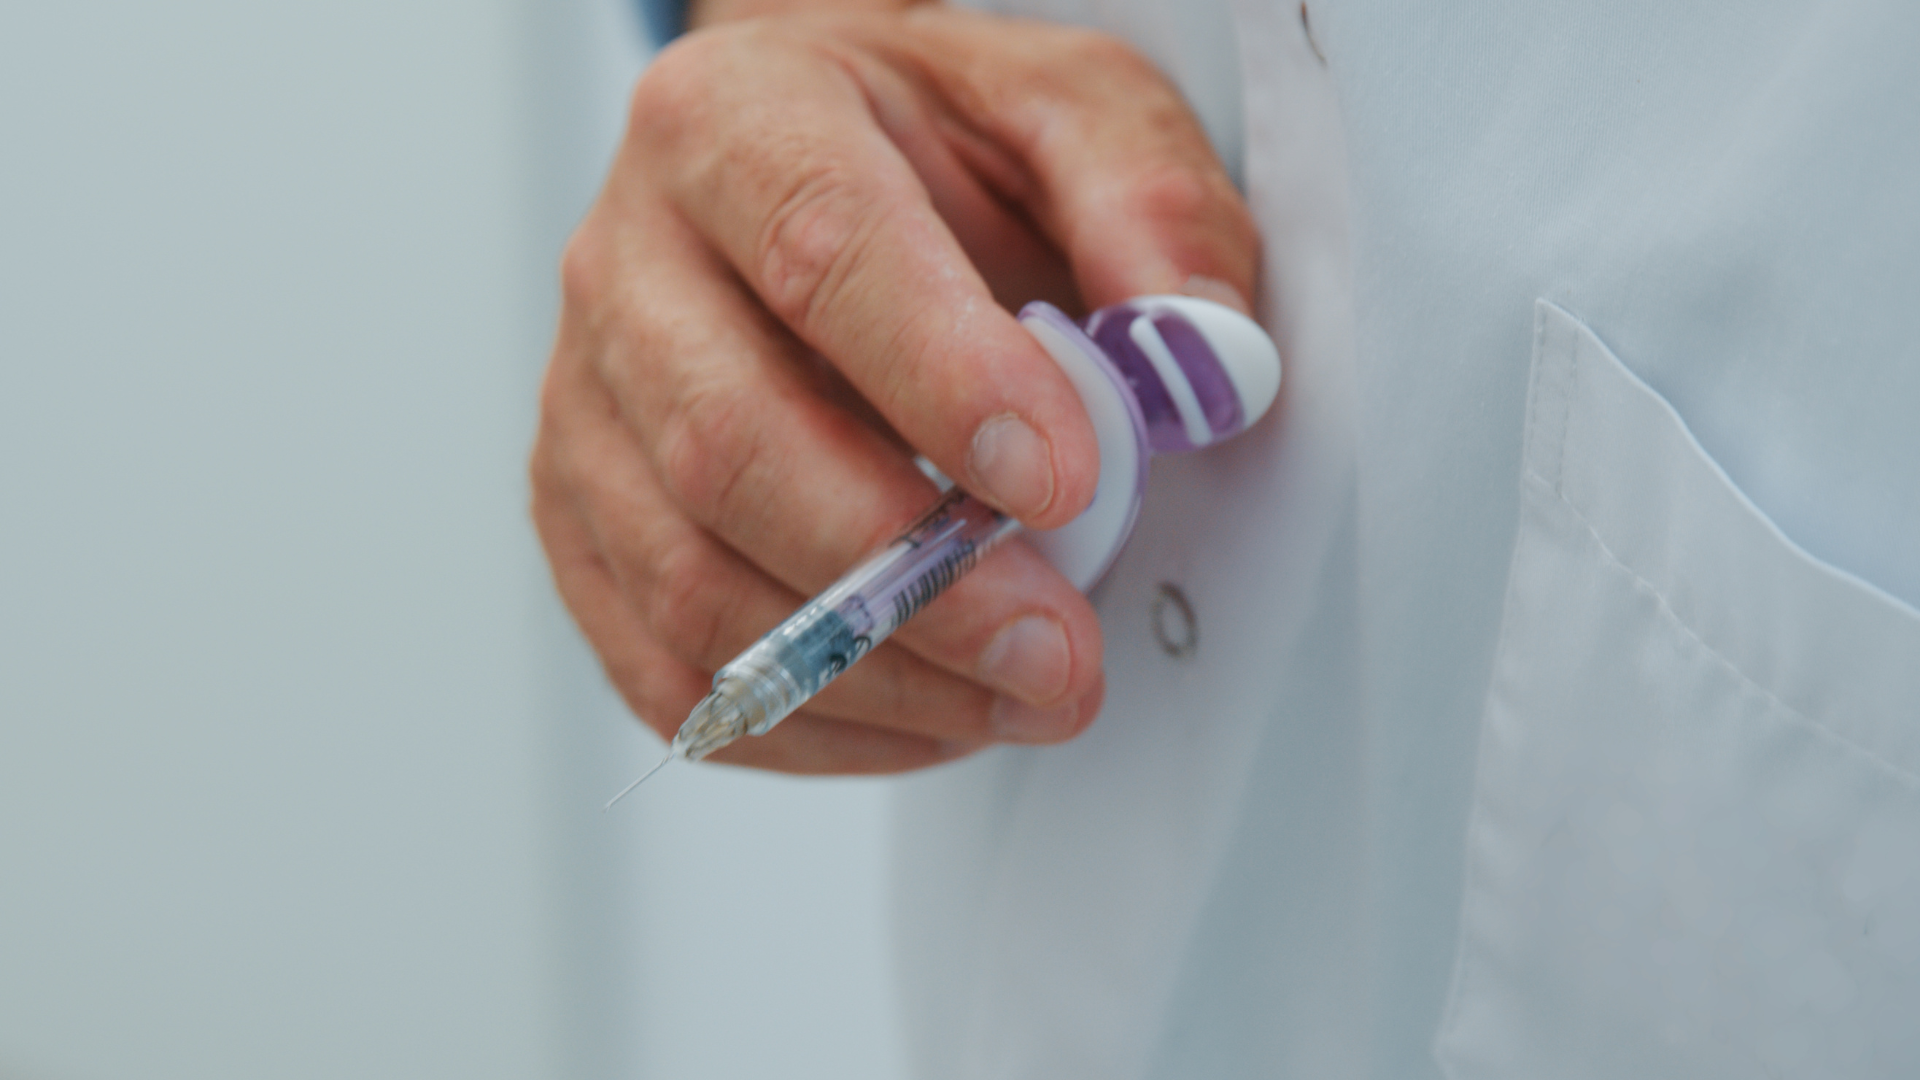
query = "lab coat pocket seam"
{"x": 1595, "y": 382}
{"x": 1673, "y": 616}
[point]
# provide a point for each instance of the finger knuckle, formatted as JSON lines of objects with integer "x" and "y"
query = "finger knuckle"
{"x": 581, "y": 272}
{"x": 1092, "y": 50}
{"x": 692, "y": 84}
{"x": 709, "y": 449}
{"x": 1175, "y": 194}
{"x": 555, "y": 465}
{"x": 544, "y": 508}
{"x": 1078, "y": 62}
{"x": 549, "y": 416}
{"x": 1198, "y": 211}
{"x": 681, "y": 604}
{"x": 812, "y": 241}
{"x": 543, "y": 473}
{"x": 676, "y": 89}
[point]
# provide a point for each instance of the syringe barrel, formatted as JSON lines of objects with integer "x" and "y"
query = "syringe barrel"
{"x": 798, "y": 658}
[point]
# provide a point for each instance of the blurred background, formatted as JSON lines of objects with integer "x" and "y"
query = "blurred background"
{"x": 301, "y": 764}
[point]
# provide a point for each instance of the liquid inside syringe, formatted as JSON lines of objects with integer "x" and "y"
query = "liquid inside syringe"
{"x": 795, "y": 660}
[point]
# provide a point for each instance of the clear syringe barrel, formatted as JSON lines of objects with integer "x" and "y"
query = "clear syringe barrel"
{"x": 795, "y": 660}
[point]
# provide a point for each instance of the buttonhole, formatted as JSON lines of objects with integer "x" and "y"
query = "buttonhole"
{"x": 1174, "y": 625}
{"x": 1306, "y": 25}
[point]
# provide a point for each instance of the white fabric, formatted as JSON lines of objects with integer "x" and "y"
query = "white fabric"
{"x": 1530, "y": 733}
{"x": 1705, "y": 832}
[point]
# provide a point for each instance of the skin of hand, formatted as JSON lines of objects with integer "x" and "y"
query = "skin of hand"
{"x": 800, "y": 272}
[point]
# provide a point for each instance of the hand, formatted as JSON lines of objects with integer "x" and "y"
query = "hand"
{"x": 793, "y": 279}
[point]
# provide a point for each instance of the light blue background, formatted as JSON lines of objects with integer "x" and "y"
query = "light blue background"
{"x": 300, "y": 764}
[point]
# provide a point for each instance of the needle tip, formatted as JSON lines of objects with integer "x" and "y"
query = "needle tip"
{"x": 643, "y": 779}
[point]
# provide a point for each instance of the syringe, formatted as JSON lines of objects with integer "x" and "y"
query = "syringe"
{"x": 797, "y": 659}
{"x": 1158, "y": 374}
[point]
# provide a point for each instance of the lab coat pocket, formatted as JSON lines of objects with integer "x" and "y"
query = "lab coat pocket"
{"x": 1694, "y": 848}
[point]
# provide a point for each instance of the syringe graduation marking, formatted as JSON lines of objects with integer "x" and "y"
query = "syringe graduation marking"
{"x": 908, "y": 602}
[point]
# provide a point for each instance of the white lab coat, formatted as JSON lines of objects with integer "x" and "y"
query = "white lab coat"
{"x": 1555, "y": 709}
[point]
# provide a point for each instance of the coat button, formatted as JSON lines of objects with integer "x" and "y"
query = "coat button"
{"x": 1174, "y": 625}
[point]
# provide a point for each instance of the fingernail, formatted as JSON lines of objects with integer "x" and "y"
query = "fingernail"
{"x": 1212, "y": 288}
{"x": 1016, "y": 721}
{"x": 1029, "y": 658}
{"x": 1012, "y": 465}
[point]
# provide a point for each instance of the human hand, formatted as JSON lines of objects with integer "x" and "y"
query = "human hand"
{"x": 792, "y": 280}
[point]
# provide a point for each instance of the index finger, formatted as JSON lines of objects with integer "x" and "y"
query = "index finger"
{"x": 774, "y": 154}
